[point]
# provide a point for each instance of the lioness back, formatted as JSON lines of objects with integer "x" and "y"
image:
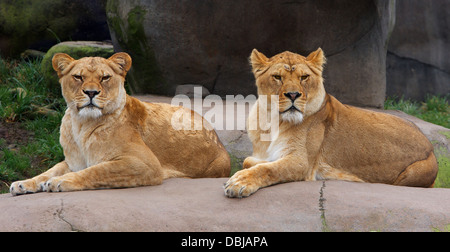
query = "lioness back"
{"x": 183, "y": 152}
{"x": 376, "y": 147}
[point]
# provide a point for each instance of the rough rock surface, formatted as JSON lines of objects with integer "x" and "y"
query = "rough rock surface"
{"x": 417, "y": 61}
{"x": 209, "y": 42}
{"x": 192, "y": 90}
{"x": 41, "y": 24}
{"x": 200, "y": 205}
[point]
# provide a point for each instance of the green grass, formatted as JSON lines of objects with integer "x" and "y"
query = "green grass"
{"x": 236, "y": 164}
{"x": 27, "y": 103}
{"x": 435, "y": 109}
{"x": 443, "y": 178}
{"x": 443, "y": 229}
{"x": 13, "y": 165}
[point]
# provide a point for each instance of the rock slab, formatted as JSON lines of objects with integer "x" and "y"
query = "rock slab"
{"x": 200, "y": 205}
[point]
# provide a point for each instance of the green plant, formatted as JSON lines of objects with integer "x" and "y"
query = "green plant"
{"x": 435, "y": 109}
{"x": 236, "y": 164}
{"x": 444, "y": 229}
{"x": 443, "y": 177}
{"x": 27, "y": 104}
{"x": 10, "y": 159}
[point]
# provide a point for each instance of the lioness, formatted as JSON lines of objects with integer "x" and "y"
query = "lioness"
{"x": 320, "y": 138}
{"x": 112, "y": 140}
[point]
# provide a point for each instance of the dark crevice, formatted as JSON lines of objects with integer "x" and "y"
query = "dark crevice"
{"x": 61, "y": 217}
{"x": 322, "y": 200}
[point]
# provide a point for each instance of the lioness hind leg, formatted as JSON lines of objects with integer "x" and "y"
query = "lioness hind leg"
{"x": 220, "y": 167}
{"x": 419, "y": 174}
{"x": 328, "y": 172}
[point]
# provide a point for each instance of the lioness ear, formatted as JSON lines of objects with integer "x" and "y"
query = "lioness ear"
{"x": 258, "y": 61}
{"x": 317, "y": 58}
{"x": 122, "y": 63}
{"x": 60, "y": 62}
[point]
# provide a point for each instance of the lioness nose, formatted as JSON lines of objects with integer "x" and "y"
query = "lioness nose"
{"x": 292, "y": 95}
{"x": 91, "y": 93}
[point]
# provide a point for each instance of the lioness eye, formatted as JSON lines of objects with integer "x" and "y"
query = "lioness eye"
{"x": 106, "y": 78}
{"x": 78, "y": 77}
{"x": 277, "y": 77}
{"x": 304, "y": 77}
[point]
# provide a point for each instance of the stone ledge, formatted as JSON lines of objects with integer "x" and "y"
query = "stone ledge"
{"x": 200, "y": 205}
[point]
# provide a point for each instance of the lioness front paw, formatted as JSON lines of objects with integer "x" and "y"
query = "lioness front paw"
{"x": 24, "y": 186}
{"x": 59, "y": 184}
{"x": 241, "y": 184}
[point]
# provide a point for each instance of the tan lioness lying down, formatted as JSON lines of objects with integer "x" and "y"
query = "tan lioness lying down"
{"x": 112, "y": 140}
{"x": 320, "y": 138}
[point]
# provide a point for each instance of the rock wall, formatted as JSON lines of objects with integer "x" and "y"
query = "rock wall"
{"x": 418, "y": 61}
{"x": 208, "y": 42}
{"x": 41, "y": 24}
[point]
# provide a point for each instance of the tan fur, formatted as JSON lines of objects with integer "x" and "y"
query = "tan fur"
{"x": 332, "y": 141}
{"x": 122, "y": 142}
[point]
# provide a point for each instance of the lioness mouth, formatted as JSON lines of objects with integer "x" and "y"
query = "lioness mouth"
{"x": 292, "y": 109}
{"x": 90, "y": 105}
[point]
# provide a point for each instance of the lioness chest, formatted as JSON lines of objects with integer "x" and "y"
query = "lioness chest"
{"x": 88, "y": 143}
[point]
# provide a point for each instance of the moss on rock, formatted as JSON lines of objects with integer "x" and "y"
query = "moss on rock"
{"x": 40, "y": 24}
{"x": 127, "y": 28}
{"x": 76, "y": 50}
{"x": 24, "y": 22}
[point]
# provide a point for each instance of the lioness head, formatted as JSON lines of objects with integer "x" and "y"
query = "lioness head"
{"x": 295, "y": 79}
{"x": 93, "y": 86}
